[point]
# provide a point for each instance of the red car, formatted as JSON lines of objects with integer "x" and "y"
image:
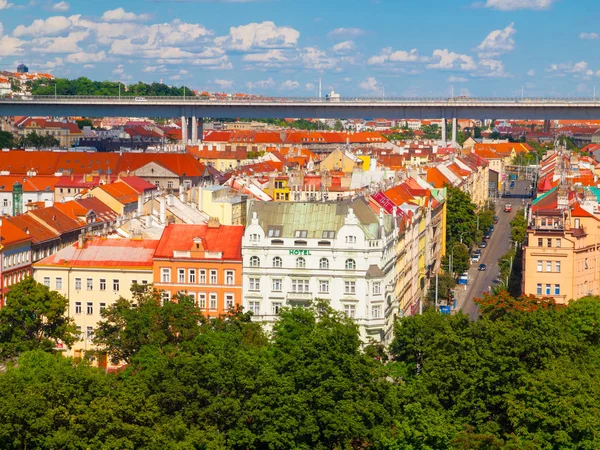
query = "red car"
{"x": 508, "y": 207}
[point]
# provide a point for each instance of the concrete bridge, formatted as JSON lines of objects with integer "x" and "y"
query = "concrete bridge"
{"x": 191, "y": 109}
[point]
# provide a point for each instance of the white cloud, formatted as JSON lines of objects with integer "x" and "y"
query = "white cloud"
{"x": 454, "y": 79}
{"x": 61, "y": 6}
{"x": 398, "y": 56}
{"x": 61, "y": 44}
{"x": 262, "y": 84}
{"x": 581, "y": 67}
{"x": 259, "y": 35}
{"x": 289, "y": 85}
{"x": 224, "y": 84}
{"x": 492, "y": 68}
{"x": 512, "y": 5}
{"x": 344, "y": 47}
{"x": 11, "y": 46}
{"x": 5, "y": 5}
{"x": 590, "y": 36}
{"x": 531, "y": 73}
{"x": 1, "y": 28}
{"x": 370, "y": 84}
{"x": 350, "y": 32}
{"x": 83, "y": 57}
{"x": 309, "y": 86}
{"x": 49, "y": 27}
{"x": 451, "y": 60}
{"x": 152, "y": 69}
{"x": 269, "y": 56}
{"x": 120, "y": 15}
{"x": 497, "y": 42}
{"x": 49, "y": 65}
{"x": 88, "y": 66}
{"x": 314, "y": 58}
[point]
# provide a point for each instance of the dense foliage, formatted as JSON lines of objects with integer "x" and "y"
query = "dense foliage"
{"x": 525, "y": 376}
{"x": 6, "y": 140}
{"x": 37, "y": 141}
{"x": 85, "y": 86}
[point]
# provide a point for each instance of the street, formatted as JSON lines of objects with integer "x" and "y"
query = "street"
{"x": 497, "y": 245}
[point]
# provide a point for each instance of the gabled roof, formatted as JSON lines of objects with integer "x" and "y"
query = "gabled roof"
{"x": 182, "y": 164}
{"x": 55, "y": 219}
{"x": 103, "y": 212}
{"x": 138, "y": 184}
{"x": 226, "y": 239}
{"x": 11, "y": 234}
{"x": 436, "y": 178}
{"x": 36, "y": 230}
{"x": 120, "y": 191}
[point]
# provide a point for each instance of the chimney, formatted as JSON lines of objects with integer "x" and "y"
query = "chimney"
{"x": 81, "y": 241}
{"x": 171, "y": 199}
{"x": 148, "y": 220}
{"x": 200, "y": 201}
{"x": 162, "y": 215}
{"x": 182, "y": 193}
{"x": 140, "y": 206}
{"x": 213, "y": 222}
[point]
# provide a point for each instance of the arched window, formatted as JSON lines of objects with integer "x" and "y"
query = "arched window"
{"x": 277, "y": 262}
{"x": 300, "y": 263}
{"x": 323, "y": 263}
{"x": 255, "y": 261}
{"x": 350, "y": 264}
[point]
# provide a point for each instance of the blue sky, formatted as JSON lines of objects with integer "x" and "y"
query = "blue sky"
{"x": 283, "y": 47}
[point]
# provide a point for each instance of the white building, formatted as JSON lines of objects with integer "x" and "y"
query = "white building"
{"x": 342, "y": 252}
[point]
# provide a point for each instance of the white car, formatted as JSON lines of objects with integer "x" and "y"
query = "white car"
{"x": 141, "y": 99}
{"x": 476, "y": 257}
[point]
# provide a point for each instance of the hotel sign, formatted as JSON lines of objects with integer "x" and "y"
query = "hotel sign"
{"x": 297, "y": 252}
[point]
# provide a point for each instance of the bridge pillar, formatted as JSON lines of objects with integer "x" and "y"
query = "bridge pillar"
{"x": 194, "y": 130}
{"x": 184, "y": 130}
{"x": 454, "y": 143}
{"x": 444, "y": 137}
{"x": 200, "y": 129}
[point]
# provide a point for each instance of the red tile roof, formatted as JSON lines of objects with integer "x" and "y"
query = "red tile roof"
{"x": 182, "y": 164}
{"x": 120, "y": 192}
{"x": 55, "y": 219}
{"x": 138, "y": 184}
{"x": 225, "y": 238}
{"x": 37, "y": 231}
{"x": 11, "y": 234}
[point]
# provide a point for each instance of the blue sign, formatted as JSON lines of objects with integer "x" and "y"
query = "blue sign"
{"x": 445, "y": 310}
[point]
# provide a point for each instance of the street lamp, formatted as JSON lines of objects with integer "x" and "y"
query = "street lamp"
{"x": 509, "y": 270}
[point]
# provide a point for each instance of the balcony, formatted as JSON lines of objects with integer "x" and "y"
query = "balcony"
{"x": 299, "y": 296}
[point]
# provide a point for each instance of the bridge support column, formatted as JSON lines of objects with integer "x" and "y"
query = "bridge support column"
{"x": 194, "y": 130}
{"x": 200, "y": 129}
{"x": 184, "y": 131}
{"x": 444, "y": 137}
{"x": 454, "y": 143}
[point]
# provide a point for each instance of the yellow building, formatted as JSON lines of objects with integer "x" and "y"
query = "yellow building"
{"x": 278, "y": 188}
{"x": 92, "y": 274}
{"x": 562, "y": 254}
{"x": 340, "y": 160}
{"x": 224, "y": 203}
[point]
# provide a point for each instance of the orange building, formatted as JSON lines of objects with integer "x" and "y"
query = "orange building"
{"x": 202, "y": 261}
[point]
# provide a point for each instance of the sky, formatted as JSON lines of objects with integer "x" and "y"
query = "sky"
{"x": 494, "y": 48}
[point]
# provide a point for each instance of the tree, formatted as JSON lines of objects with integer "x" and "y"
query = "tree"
{"x": 34, "y": 318}
{"x": 129, "y": 325}
{"x": 461, "y": 224}
{"x": 446, "y": 283}
{"x": 6, "y": 140}
{"x": 503, "y": 304}
{"x": 84, "y": 123}
{"x": 338, "y": 126}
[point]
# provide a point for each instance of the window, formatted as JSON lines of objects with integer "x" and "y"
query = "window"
{"x": 201, "y": 300}
{"x": 300, "y": 285}
{"x": 165, "y": 297}
{"x": 213, "y": 277}
{"x": 549, "y": 242}
{"x": 558, "y": 243}
{"x": 254, "y": 261}
{"x": 116, "y": 285}
{"x": 328, "y": 234}
{"x": 5, "y": 203}
{"x": 548, "y": 289}
{"x": 165, "y": 275}
{"x": 229, "y": 303}
{"x": 557, "y": 266}
{"x": 323, "y": 263}
{"x": 192, "y": 276}
{"x": 274, "y": 232}
{"x": 324, "y": 286}
{"x": 170, "y": 184}
{"x": 229, "y": 277}
{"x": 301, "y": 233}
{"x": 254, "y": 307}
{"x": 77, "y": 284}
{"x": 58, "y": 283}
{"x": 89, "y": 284}
{"x": 254, "y": 284}
{"x": 79, "y": 333}
{"x": 586, "y": 264}
{"x": 77, "y": 307}
{"x": 277, "y": 262}
{"x": 350, "y": 264}
{"x": 89, "y": 332}
{"x": 376, "y": 287}
{"x": 275, "y": 308}
{"x": 212, "y": 299}
{"x": 376, "y": 312}
{"x": 349, "y": 287}
{"x": 254, "y": 237}
{"x": 350, "y": 310}
{"x": 89, "y": 308}
{"x": 202, "y": 276}
{"x": 540, "y": 242}
{"x": 102, "y": 306}
{"x": 548, "y": 266}
{"x": 181, "y": 275}
{"x": 557, "y": 289}
{"x": 540, "y": 265}
{"x": 277, "y": 284}
{"x": 47, "y": 281}
{"x": 539, "y": 289}
{"x": 102, "y": 284}
{"x": 350, "y": 239}
{"x": 300, "y": 263}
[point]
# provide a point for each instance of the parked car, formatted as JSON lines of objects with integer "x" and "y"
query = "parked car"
{"x": 482, "y": 244}
{"x": 496, "y": 219}
{"x": 482, "y": 267}
{"x": 476, "y": 257}
{"x": 477, "y": 252}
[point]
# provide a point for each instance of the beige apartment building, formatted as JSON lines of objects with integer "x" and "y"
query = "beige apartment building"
{"x": 562, "y": 255}
{"x": 92, "y": 274}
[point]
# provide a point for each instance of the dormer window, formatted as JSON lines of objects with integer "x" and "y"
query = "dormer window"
{"x": 301, "y": 233}
{"x": 350, "y": 239}
{"x": 254, "y": 237}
